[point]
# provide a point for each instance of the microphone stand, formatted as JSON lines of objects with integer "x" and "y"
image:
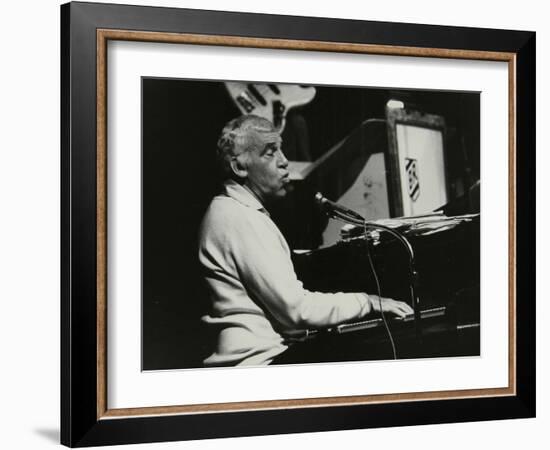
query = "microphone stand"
{"x": 346, "y": 215}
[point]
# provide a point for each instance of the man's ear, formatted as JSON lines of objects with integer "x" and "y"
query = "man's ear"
{"x": 238, "y": 167}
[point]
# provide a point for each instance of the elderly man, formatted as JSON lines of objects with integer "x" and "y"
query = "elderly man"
{"x": 256, "y": 297}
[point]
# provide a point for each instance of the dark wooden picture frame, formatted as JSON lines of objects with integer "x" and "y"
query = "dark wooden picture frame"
{"x": 86, "y": 419}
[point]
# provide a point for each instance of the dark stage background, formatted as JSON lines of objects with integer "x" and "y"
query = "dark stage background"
{"x": 181, "y": 121}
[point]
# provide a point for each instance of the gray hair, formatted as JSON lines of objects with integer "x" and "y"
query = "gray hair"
{"x": 241, "y": 135}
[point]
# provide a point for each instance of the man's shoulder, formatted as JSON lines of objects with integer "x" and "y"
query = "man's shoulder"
{"x": 224, "y": 214}
{"x": 226, "y": 207}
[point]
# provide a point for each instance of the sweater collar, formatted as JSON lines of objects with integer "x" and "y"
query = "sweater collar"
{"x": 242, "y": 194}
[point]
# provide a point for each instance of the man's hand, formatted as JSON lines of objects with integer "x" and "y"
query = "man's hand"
{"x": 389, "y": 305}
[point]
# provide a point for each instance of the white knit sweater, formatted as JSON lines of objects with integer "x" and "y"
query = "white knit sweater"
{"x": 255, "y": 294}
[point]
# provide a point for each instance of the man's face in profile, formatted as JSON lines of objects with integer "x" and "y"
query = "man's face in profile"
{"x": 267, "y": 167}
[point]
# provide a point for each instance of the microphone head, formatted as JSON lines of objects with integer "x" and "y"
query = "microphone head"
{"x": 319, "y": 198}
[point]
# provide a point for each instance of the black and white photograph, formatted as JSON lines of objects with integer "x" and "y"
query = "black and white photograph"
{"x": 276, "y": 224}
{"x": 302, "y": 224}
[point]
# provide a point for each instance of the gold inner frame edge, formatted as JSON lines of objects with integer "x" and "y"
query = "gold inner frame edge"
{"x": 103, "y": 36}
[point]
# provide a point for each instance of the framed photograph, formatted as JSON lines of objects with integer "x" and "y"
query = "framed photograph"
{"x": 279, "y": 224}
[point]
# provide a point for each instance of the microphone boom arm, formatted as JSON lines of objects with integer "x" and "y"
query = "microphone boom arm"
{"x": 339, "y": 212}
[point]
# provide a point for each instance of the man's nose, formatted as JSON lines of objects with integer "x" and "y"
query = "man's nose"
{"x": 283, "y": 162}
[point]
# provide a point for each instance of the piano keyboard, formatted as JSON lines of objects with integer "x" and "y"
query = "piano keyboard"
{"x": 373, "y": 323}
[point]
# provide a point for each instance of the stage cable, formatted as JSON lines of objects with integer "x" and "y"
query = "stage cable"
{"x": 379, "y": 292}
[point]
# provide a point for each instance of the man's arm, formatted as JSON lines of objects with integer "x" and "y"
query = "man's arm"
{"x": 267, "y": 273}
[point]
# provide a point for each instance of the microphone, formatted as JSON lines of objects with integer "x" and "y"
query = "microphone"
{"x": 337, "y": 211}
{"x": 332, "y": 208}
{"x": 340, "y": 212}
